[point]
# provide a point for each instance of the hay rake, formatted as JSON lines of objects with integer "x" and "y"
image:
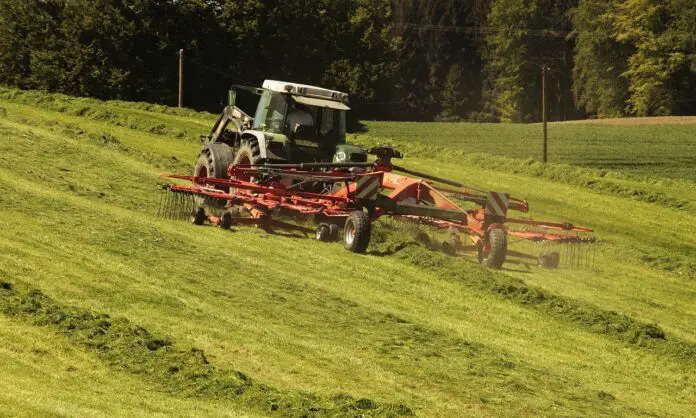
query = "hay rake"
{"x": 344, "y": 200}
{"x": 176, "y": 205}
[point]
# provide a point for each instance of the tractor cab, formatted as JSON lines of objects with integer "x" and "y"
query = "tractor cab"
{"x": 293, "y": 123}
{"x": 313, "y": 124}
{"x": 311, "y": 119}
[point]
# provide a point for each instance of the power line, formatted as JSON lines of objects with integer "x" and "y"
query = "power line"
{"x": 540, "y": 33}
{"x": 216, "y": 71}
{"x": 472, "y": 30}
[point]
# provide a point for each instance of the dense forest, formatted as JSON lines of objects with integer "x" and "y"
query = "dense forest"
{"x": 446, "y": 60}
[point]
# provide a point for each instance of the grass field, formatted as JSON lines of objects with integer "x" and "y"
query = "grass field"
{"x": 640, "y": 148}
{"x": 107, "y": 310}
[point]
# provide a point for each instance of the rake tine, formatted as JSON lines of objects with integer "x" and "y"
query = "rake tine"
{"x": 165, "y": 210}
{"x": 179, "y": 203}
{"x": 175, "y": 204}
{"x": 159, "y": 207}
{"x": 172, "y": 206}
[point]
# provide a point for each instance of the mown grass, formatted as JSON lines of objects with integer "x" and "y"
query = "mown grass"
{"x": 43, "y": 374}
{"x": 436, "y": 334}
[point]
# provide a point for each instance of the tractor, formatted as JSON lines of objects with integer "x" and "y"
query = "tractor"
{"x": 292, "y": 160}
{"x": 293, "y": 123}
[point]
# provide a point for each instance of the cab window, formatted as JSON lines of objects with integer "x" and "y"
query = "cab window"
{"x": 270, "y": 112}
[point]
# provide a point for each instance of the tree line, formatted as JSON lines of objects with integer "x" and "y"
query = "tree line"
{"x": 444, "y": 60}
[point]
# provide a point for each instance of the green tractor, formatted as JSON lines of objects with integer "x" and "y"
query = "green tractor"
{"x": 293, "y": 123}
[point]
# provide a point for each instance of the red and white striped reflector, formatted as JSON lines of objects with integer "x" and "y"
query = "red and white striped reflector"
{"x": 368, "y": 187}
{"x": 497, "y": 203}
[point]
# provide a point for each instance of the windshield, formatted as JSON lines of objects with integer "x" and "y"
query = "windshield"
{"x": 270, "y": 112}
{"x": 319, "y": 123}
{"x": 278, "y": 113}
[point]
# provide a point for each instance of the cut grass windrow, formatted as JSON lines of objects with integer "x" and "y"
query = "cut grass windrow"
{"x": 613, "y": 324}
{"x": 393, "y": 240}
{"x": 131, "y": 348}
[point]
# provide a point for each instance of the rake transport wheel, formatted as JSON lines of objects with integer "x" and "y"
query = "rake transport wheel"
{"x": 327, "y": 232}
{"x": 356, "y": 232}
{"x": 226, "y": 220}
{"x": 198, "y": 217}
{"x": 449, "y": 247}
{"x": 497, "y": 243}
{"x": 323, "y": 233}
{"x": 213, "y": 162}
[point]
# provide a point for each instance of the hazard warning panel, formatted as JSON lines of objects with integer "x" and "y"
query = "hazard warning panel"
{"x": 497, "y": 203}
{"x": 367, "y": 187}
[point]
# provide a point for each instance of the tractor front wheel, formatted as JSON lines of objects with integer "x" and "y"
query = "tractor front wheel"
{"x": 356, "y": 233}
{"x": 494, "y": 255}
{"x": 248, "y": 152}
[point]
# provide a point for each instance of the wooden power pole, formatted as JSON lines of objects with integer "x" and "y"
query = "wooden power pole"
{"x": 543, "y": 109}
{"x": 181, "y": 78}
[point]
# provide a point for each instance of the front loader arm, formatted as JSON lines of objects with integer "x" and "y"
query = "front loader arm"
{"x": 230, "y": 114}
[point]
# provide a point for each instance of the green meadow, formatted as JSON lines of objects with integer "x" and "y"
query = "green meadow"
{"x": 108, "y": 310}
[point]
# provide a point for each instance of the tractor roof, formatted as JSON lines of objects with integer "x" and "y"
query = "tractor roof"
{"x": 317, "y": 96}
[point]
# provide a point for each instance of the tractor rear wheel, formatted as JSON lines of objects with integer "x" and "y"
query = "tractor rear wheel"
{"x": 356, "y": 233}
{"x": 213, "y": 162}
{"x": 494, "y": 256}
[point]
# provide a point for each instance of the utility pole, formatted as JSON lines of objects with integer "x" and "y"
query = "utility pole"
{"x": 181, "y": 78}
{"x": 543, "y": 109}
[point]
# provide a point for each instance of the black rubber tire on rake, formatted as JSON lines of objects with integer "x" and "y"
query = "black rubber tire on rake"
{"x": 323, "y": 233}
{"x": 356, "y": 232}
{"x": 333, "y": 232}
{"x": 226, "y": 220}
{"x": 199, "y": 216}
{"x": 449, "y": 247}
{"x": 497, "y": 241}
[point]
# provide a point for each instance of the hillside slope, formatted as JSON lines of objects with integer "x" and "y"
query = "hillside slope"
{"x": 115, "y": 310}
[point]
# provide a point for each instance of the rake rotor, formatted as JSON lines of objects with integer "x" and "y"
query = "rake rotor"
{"x": 350, "y": 197}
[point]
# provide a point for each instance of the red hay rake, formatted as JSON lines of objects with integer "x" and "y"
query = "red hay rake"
{"x": 349, "y": 197}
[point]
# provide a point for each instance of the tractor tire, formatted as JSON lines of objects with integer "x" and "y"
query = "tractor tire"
{"x": 323, "y": 233}
{"x": 356, "y": 233}
{"x": 549, "y": 259}
{"x": 213, "y": 162}
{"x": 497, "y": 241}
{"x": 248, "y": 153}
